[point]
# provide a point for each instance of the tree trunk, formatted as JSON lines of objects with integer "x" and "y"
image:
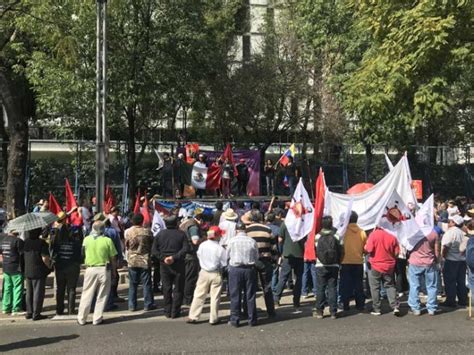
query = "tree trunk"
{"x": 131, "y": 158}
{"x": 4, "y": 137}
{"x": 18, "y": 147}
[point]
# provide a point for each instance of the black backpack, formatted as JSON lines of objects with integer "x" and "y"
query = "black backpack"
{"x": 328, "y": 249}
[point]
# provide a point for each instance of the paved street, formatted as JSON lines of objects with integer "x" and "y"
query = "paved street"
{"x": 124, "y": 332}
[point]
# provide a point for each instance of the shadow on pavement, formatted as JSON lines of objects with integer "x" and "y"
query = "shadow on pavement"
{"x": 31, "y": 343}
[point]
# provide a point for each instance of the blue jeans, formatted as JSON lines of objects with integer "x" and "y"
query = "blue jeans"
{"x": 243, "y": 279}
{"x": 351, "y": 284}
{"x": 416, "y": 274}
{"x": 135, "y": 275}
{"x": 287, "y": 266}
{"x": 454, "y": 273}
{"x": 309, "y": 270}
{"x": 292, "y": 184}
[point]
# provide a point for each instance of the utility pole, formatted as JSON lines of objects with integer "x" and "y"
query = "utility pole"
{"x": 101, "y": 96}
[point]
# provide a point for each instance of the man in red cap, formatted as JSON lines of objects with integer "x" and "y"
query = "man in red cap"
{"x": 212, "y": 259}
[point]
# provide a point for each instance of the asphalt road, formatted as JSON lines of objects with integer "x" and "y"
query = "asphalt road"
{"x": 447, "y": 333}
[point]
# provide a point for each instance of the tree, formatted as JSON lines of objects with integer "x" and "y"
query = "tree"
{"x": 18, "y": 103}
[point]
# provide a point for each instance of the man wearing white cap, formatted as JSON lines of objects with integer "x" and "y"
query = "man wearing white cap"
{"x": 454, "y": 271}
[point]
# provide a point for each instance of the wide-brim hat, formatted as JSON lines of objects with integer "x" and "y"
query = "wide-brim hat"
{"x": 230, "y": 215}
{"x": 61, "y": 216}
{"x": 246, "y": 218}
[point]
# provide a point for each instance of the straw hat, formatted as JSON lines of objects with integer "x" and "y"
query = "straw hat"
{"x": 230, "y": 215}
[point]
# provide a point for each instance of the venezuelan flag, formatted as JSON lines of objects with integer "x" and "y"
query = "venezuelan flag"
{"x": 290, "y": 152}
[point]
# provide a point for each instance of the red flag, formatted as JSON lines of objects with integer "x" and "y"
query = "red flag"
{"x": 136, "y": 208}
{"x": 146, "y": 214}
{"x": 213, "y": 180}
{"x": 109, "y": 199}
{"x": 70, "y": 199}
{"x": 228, "y": 154}
{"x": 192, "y": 149}
{"x": 54, "y": 206}
{"x": 320, "y": 190}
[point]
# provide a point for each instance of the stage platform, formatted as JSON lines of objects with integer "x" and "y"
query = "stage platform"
{"x": 212, "y": 200}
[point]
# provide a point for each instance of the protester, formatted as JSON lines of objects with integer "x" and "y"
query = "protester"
{"x": 170, "y": 247}
{"x": 383, "y": 250}
{"x": 37, "y": 267}
{"x": 216, "y": 218}
{"x": 138, "y": 243}
{"x": 328, "y": 258}
{"x": 227, "y": 177}
{"x": 454, "y": 271}
{"x": 269, "y": 172}
{"x": 422, "y": 268}
{"x": 167, "y": 176}
{"x": 267, "y": 251}
{"x": 352, "y": 265}
{"x": 401, "y": 281}
{"x": 100, "y": 260}
{"x": 212, "y": 259}
{"x": 291, "y": 175}
{"x": 468, "y": 249}
{"x": 227, "y": 225}
{"x": 111, "y": 232}
{"x": 201, "y": 163}
{"x": 191, "y": 226}
{"x": 11, "y": 250}
{"x": 291, "y": 261}
{"x": 243, "y": 254}
{"x": 242, "y": 177}
{"x": 66, "y": 249}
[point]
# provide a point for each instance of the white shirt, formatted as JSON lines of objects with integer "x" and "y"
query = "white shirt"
{"x": 229, "y": 231}
{"x": 453, "y": 239}
{"x": 212, "y": 257}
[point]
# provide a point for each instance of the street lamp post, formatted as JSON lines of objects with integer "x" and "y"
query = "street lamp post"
{"x": 101, "y": 95}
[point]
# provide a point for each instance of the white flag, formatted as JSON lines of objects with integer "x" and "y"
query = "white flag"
{"x": 158, "y": 224}
{"x": 199, "y": 176}
{"x": 161, "y": 160}
{"x": 397, "y": 219}
{"x": 343, "y": 222}
{"x": 389, "y": 162}
{"x": 425, "y": 216}
{"x": 300, "y": 218}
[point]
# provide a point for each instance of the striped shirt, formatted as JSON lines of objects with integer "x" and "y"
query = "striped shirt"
{"x": 264, "y": 238}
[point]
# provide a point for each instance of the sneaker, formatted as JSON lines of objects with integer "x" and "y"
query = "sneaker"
{"x": 396, "y": 312}
{"x": 306, "y": 296}
{"x": 6, "y": 312}
{"x": 18, "y": 313}
{"x": 334, "y": 316}
{"x": 318, "y": 314}
{"x": 415, "y": 312}
{"x": 191, "y": 321}
{"x": 151, "y": 308}
{"x": 401, "y": 294}
{"x": 297, "y": 310}
{"x": 448, "y": 304}
{"x": 376, "y": 313}
{"x": 277, "y": 304}
{"x": 40, "y": 317}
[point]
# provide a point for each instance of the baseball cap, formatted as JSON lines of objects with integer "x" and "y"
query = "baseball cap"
{"x": 456, "y": 219}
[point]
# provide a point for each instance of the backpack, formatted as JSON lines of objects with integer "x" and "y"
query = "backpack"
{"x": 470, "y": 253}
{"x": 328, "y": 249}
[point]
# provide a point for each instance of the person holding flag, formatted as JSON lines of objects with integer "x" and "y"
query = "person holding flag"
{"x": 287, "y": 161}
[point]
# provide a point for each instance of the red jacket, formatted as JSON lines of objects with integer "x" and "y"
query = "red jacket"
{"x": 383, "y": 250}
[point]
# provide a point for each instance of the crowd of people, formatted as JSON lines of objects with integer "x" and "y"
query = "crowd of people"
{"x": 192, "y": 255}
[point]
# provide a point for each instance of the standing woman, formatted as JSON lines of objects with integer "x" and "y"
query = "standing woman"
{"x": 227, "y": 176}
{"x": 269, "y": 171}
{"x": 66, "y": 253}
{"x": 37, "y": 263}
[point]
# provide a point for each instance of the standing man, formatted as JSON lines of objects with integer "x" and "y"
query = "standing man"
{"x": 201, "y": 163}
{"x": 167, "y": 176}
{"x": 383, "y": 250}
{"x": 170, "y": 247}
{"x": 328, "y": 258}
{"x": 100, "y": 260}
{"x": 212, "y": 259}
{"x": 243, "y": 254}
{"x": 66, "y": 250}
{"x": 37, "y": 268}
{"x": 454, "y": 271}
{"x": 292, "y": 261}
{"x": 422, "y": 268}
{"x": 267, "y": 251}
{"x": 138, "y": 243}
{"x": 11, "y": 250}
{"x": 291, "y": 175}
{"x": 352, "y": 268}
{"x": 242, "y": 177}
{"x": 191, "y": 227}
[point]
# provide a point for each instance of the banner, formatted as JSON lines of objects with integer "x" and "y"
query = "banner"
{"x": 369, "y": 204}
